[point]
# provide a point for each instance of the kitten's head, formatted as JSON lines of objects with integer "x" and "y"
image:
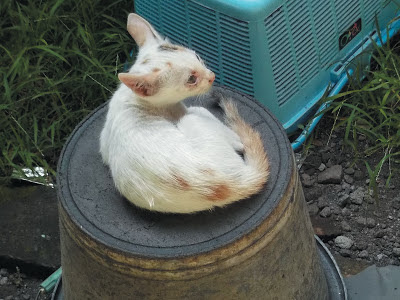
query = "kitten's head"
{"x": 163, "y": 73}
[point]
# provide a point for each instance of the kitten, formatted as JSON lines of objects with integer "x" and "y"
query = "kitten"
{"x": 164, "y": 156}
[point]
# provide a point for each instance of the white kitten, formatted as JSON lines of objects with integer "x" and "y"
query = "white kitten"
{"x": 169, "y": 158}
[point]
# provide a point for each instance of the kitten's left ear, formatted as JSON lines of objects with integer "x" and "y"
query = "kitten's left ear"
{"x": 141, "y": 30}
{"x": 142, "y": 85}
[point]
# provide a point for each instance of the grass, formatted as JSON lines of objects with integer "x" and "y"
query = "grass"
{"x": 58, "y": 61}
{"x": 370, "y": 109}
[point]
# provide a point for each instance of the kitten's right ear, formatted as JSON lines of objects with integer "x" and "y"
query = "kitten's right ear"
{"x": 142, "y": 85}
{"x": 141, "y": 30}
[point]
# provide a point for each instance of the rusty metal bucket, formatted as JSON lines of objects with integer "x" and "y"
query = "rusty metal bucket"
{"x": 259, "y": 248}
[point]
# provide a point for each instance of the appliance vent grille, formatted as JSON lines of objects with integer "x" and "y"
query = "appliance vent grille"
{"x": 371, "y": 7}
{"x": 303, "y": 39}
{"x": 326, "y": 36}
{"x": 223, "y": 42}
{"x": 347, "y": 12}
{"x": 282, "y": 58}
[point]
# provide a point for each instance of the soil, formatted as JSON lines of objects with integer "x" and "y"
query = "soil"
{"x": 15, "y": 285}
{"x": 354, "y": 223}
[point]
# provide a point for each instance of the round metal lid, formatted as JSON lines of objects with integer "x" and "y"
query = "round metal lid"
{"x": 87, "y": 193}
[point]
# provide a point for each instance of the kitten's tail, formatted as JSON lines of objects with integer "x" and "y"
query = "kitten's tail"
{"x": 254, "y": 153}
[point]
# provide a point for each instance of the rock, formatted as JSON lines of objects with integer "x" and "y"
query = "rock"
{"x": 345, "y": 226}
{"x": 325, "y": 157}
{"x": 343, "y": 200}
{"x": 383, "y": 225}
{"x": 306, "y": 180}
{"x": 396, "y": 251}
{"x": 3, "y": 272}
{"x": 346, "y": 212}
{"x": 326, "y": 212}
{"x": 380, "y": 256}
{"x": 322, "y": 202}
{"x": 333, "y": 175}
{"x": 348, "y": 179}
{"x": 358, "y": 175}
{"x": 3, "y": 280}
{"x": 371, "y": 223}
{"x": 396, "y": 203}
{"x": 9, "y": 298}
{"x": 26, "y": 296}
{"x": 345, "y": 252}
{"x": 321, "y": 167}
{"x": 363, "y": 254}
{"x": 349, "y": 171}
{"x": 357, "y": 196}
{"x": 313, "y": 209}
{"x": 325, "y": 228}
{"x": 313, "y": 161}
{"x": 309, "y": 171}
{"x": 361, "y": 245}
{"x": 361, "y": 221}
{"x": 343, "y": 242}
{"x": 379, "y": 234}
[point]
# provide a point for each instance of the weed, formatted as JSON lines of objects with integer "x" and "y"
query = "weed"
{"x": 58, "y": 61}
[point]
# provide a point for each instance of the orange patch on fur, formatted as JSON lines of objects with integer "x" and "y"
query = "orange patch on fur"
{"x": 182, "y": 183}
{"x": 169, "y": 64}
{"x": 219, "y": 193}
{"x": 156, "y": 70}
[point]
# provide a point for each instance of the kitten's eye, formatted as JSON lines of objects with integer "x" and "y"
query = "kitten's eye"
{"x": 192, "y": 79}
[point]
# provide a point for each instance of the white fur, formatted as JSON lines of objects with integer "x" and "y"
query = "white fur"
{"x": 171, "y": 164}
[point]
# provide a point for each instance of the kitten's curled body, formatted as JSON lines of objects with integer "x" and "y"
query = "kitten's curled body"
{"x": 164, "y": 156}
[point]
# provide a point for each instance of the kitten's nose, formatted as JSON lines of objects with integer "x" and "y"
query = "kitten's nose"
{"x": 212, "y": 78}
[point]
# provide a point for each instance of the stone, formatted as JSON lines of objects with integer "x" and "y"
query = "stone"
{"x": 9, "y": 298}
{"x": 345, "y": 226}
{"x": 361, "y": 221}
{"x": 346, "y": 212}
{"x": 370, "y": 222}
{"x": 396, "y": 203}
{"x": 343, "y": 242}
{"x": 357, "y": 196}
{"x": 322, "y": 202}
{"x": 348, "y": 179}
{"x": 325, "y": 212}
{"x": 343, "y": 200}
{"x": 3, "y": 280}
{"x": 333, "y": 175}
{"x": 345, "y": 252}
{"x": 325, "y": 157}
{"x": 363, "y": 254}
{"x": 379, "y": 234}
{"x": 349, "y": 171}
{"x": 313, "y": 209}
{"x": 396, "y": 251}
{"x": 361, "y": 245}
{"x": 306, "y": 180}
{"x": 3, "y": 272}
{"x": 26, "y": 296}
{"x": 325, "y": 228}
{"x": 321, "y": 167}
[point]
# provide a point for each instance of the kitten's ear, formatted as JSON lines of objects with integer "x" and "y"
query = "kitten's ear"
{"x": 141, "y": 30}
{"x": 142, "y": 85}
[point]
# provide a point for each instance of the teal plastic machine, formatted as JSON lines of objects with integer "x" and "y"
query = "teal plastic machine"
{"x": 284, "y": 53}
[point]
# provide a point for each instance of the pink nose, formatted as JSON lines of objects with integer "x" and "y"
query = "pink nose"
{"x": 212, "y": 78}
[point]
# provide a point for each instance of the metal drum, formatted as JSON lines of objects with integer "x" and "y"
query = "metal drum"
{"x": 259, "y": 248}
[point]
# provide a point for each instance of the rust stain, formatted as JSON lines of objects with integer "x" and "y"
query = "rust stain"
{"x": 219, "y": 193}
